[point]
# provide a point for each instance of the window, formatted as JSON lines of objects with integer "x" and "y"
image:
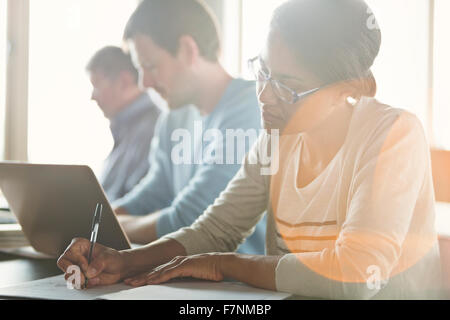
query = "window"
{"x": 3, "y": 55}
{"x": 401, "y": 68}
{"x": 255, "y": 27}
{"x": 64, "y": 125}
{"x": 441, "y": 110}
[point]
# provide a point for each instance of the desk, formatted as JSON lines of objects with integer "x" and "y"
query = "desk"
{"x": 15, "y": 270}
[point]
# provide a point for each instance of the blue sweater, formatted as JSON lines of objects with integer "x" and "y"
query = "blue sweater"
{"x": 190, "y": 163}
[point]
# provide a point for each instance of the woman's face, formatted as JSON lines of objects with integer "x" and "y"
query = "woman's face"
{"x": 282, "y": 65}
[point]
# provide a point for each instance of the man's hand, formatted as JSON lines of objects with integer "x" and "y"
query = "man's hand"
{"x": 108, "y": 266}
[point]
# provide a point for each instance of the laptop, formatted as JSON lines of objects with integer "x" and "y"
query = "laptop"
{"x": 56, "y": 203}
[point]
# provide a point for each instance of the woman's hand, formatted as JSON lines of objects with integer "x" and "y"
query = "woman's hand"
{"x": 203, "y": 266}
{"x": 108, "y": 266}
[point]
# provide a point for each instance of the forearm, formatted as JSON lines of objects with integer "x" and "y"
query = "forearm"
{"x": 257, "y": 271}
{"x": 152, "y": 255}
{"x": 140, "y": 230}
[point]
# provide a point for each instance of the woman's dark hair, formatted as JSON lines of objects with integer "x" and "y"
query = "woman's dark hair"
{"x": 111, "y": 61}
{"x": 336, "y": 40}
{"x": 165, "y": 21}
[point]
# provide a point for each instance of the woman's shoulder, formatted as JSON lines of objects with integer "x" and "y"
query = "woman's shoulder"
{"x": 378, "y": 127}
{"x": 374, "y": 118}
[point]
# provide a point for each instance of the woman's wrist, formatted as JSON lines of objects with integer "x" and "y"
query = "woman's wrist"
{"x": 145, "y": 258}
{"x": 226, "y": 264}
{"x": 138, "y": 260}
{"x": 258, "y": 271}
{"x": 128, "y": 259}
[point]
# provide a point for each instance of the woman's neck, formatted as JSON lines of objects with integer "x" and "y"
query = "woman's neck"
{"x": 323, "y": 142}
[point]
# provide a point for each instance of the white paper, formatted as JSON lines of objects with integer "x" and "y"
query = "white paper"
{"x": 197, "y": 290}
{"x": 55, "y": 288}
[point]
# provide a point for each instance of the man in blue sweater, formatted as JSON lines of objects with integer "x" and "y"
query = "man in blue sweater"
{"x": 198, "y": 145}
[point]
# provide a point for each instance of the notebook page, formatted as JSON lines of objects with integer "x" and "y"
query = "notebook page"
{"x": 197, "y": 290}
{"x": 55, "y": 288}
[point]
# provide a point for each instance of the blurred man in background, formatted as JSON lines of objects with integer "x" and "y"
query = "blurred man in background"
{"x": 176, "y": 46}
{"x": 132, "y": 117}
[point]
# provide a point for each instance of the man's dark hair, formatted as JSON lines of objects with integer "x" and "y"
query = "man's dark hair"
{"x": 111, "y": 61}
{"x": 166, "y": 21}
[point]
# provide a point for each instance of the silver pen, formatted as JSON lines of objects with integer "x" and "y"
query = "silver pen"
{"x": 94, "y": 233}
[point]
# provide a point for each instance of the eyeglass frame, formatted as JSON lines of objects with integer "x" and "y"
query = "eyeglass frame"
{"x": 267, "y": 78}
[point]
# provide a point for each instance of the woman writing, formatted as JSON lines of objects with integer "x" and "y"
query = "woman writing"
{"x": 350, "y": 199}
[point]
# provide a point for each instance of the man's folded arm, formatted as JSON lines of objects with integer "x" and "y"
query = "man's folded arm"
{"x": 153, "y": 192}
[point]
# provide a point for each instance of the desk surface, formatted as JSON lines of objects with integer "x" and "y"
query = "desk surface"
{"x": 15, "y": 270}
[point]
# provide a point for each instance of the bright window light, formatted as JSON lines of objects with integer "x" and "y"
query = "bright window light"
{"x": 64, "y": 125}
{"x": 257, "y": 15}
{"x": 3, "y": 51}
{"x": 401, "y": 68}
{"x": 441, "y": 110}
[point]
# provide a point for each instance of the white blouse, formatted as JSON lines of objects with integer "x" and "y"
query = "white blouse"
{"x": 299, "y": 228}
{"x": 364, "y": 228}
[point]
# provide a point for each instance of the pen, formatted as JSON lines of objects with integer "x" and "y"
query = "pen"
{"x": 94, "y": 233}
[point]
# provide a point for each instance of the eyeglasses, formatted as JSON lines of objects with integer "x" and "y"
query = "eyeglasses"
{"x": 282, "y": 91}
